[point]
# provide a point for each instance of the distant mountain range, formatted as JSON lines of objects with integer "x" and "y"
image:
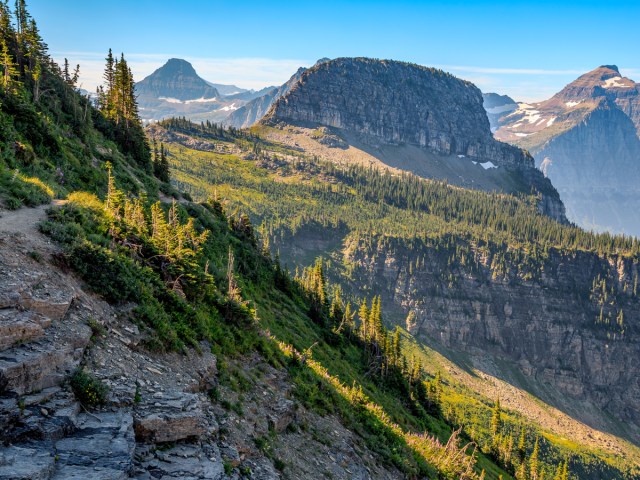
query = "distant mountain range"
{"x": 257, "y": 108}
{"x": 176, "y": 80}
{"x": 585, "y": 139}
{"x": 175, "y": 89}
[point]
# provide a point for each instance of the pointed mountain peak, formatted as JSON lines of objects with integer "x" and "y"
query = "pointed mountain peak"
{"x": 178, "y": 64}
{"x": 176, "y": 80}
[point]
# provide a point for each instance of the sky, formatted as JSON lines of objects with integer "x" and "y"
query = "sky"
{"x": 528, "y": 50}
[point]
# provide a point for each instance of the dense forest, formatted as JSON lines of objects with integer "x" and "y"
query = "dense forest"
{"x": 485, "y": 217}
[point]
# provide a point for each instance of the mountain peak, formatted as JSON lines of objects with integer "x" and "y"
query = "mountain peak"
{"x": 603, "y": 81}
{"x": 610, "y": 67}
{"x": 176, "y": 79}
{"x": 178, "y": 64}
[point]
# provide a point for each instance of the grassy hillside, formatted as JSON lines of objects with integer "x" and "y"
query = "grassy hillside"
{"x": 290, "y": 194}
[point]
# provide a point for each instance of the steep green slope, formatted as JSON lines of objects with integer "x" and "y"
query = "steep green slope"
{"x": 187, "y": 273}
{"x": 310, "y": 208}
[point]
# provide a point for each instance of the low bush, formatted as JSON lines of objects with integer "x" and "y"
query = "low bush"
{"x": 89, "y": 391}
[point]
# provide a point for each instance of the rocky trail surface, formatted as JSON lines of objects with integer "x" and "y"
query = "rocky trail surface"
{"x": 159, "y": 421}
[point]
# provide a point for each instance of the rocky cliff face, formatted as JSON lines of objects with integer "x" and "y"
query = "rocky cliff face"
{"x": 595, "y": 167}
{"x": 396, "y": 103}
{"x": 585, "y": 139}
{"x": 540, "y": 325}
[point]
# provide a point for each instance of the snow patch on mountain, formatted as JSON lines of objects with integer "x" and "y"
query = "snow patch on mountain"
{"x": 170, "y": 100}
{"x": 488, "y": 165}
{"x": 614, "y": 82}
{"x": 228, "y": 108}
{"x": 202, "y": 100}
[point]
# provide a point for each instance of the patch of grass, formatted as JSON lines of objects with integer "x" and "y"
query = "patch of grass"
{"x": 97, "y": 329}
{"x": 228, "y": 467}
{"x": 17, "y": 190}
{"x": 37, "y": 256}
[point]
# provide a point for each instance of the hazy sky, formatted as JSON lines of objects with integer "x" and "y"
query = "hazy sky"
{"x": 528, "y": 50}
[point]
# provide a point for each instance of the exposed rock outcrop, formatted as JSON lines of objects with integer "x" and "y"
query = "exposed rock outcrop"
{"x": 160, "y": 419}
{"x": 543, "y": 325}
{"x": 396, "y": 103}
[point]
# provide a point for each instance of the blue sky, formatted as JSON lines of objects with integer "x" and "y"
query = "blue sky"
{"x": 526, "y": 49}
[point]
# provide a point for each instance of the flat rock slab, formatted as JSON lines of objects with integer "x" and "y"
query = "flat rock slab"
{"x": 19, "y": 327}
{"x": 45, "y": 363}
{"x": 171, "y": 417}
{"x": 104, "y": 444}
{"x": 89, "y": 473}
{"x": 54, "y": 307}
{"x": 182, "y": 462}
{"x": 159, "y": 428}
{"x": 21, "y": 463}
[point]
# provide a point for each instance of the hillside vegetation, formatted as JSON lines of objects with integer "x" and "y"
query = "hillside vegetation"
{"x": 291, "y": 194}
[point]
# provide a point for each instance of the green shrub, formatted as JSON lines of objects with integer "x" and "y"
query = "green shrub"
{"x": 66, "y": 233}
{"x": 89, "y": 391}
{"x": 17, "y": 190}
{"x": 116, "y": 277}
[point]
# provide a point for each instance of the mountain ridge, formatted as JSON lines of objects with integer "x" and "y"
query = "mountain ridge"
{"x": 585, "y": 139}
{"x": 422, "y": 127}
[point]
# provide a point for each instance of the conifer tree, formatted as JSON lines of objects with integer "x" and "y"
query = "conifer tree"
{"x": 496, "y": 419}
{"x": 534, "y": 462}
{"x": 349, "y": 317}
{"x": 118, "y": 104}
{"x": 363, "y": 314}
{"x": 396, "y": 347}
{"x": 522, "y": 445}
{"x": 10, "y": 82}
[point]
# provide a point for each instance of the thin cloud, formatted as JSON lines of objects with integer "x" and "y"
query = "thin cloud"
{"x": 253, "y": 73}
{"x": 511, "y": 71}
